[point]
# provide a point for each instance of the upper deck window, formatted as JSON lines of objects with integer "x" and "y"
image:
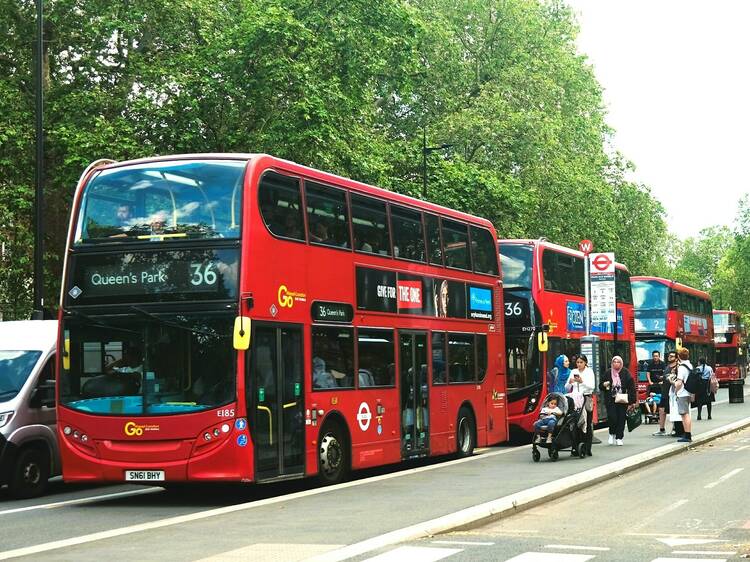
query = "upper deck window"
{"x": 456, "y": 244}
{"x": 327, "y": 215}
{"x": 483, "y": 251}
{"x": 517, "y": 265}
{"x": 563, "y": 273}
{"x": 281, "y": 205}
{"x": 408, "y": 234}
{"x": 623, "y": 290}
{"x": 650, "y": 295}
{"x": 182, "y": 199}
{"x": 370, "y": 225}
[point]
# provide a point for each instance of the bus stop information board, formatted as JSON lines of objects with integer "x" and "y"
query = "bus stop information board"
{"x": 602, "y": 276}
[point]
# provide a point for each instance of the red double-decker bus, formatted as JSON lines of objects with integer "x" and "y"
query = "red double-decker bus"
{"x": 243, "y": 318}
{"x": 543, "y": 286}
{"x": 730, "y": 344}
{"x": 669, "y": 315}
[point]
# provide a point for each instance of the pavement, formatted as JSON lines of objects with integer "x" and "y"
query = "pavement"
{"x": 354, "y": 518}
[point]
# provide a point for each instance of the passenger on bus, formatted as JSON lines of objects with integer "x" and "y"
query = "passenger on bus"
{"x": 130, "y": 362}
{"x": 321, "y": 377}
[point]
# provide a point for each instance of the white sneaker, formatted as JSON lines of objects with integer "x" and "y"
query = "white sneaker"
{"x": 619, "y": 442}
{"x": 611, "y": 440}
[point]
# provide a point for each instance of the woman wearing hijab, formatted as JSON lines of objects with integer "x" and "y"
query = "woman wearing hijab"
{"x": 618, "y": 388}
{"x": 560, "y": 374}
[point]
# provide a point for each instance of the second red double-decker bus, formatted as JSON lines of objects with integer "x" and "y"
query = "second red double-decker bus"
{"x": 730, "y": 345}
{"x": 243, "y": 318}
{"x": 669, "y": 315}
{"x": 543, "y": 285}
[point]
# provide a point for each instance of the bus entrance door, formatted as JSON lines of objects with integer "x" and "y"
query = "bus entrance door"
{"x": 276, "y": 399}
{"x": 415, "y": 412}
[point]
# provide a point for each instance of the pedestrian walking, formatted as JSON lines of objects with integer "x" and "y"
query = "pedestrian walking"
{"x": 705, "y": 396}
{"x": 618, "y": 388}
{"x": 679, "y": 395}
{"x": 582, "y": 381}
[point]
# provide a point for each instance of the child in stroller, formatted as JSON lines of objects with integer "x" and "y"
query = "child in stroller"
{"x": 557, "y": 431}
{"x": 651, "y": 405}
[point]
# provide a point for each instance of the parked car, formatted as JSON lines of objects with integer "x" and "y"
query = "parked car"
{"x": 29, "y": 454}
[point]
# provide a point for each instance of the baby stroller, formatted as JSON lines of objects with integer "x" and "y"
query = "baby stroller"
{"x": 652, "y": 399}
{"x": 566, "y": 435}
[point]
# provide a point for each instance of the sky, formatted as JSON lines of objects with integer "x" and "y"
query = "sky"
{"x": 675, "y": 78}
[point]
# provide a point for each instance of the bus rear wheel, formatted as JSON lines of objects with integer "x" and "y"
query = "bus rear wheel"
{"x": 333, "y": 454}
{"x": 465, "y": 433}
{"x": 30, "y": 474}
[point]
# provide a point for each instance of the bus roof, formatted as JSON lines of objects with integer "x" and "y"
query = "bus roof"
{"x": 260, "y": 162}
{"x": 547, "y": 244}
{"x": 673, "y": 284}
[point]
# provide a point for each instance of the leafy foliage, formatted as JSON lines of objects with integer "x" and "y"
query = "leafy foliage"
{"x": 350, "y": 87}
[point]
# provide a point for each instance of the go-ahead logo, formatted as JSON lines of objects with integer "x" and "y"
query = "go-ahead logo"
{"x": 287, "y": 298}
{"x": 133, "y": 429}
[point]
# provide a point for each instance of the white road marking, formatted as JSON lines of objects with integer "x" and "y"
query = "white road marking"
{"x": 87, "y": 499}
{"x": 577, "y": 547}
{"x": 658, "y": 515}
{"x": 547, "y": 556}
{"x": 271, "y": 552}
{"x": 725, "y": 477}
{"x": 666, "y": 535}
{"x": 706, "y": 552}
{"x": 742, "y": 448}
{"x": 663, "y": 559}
{"x": 465, "y": 543}
{"x": 673, "y": 542}
{"x": 414, "y": 554}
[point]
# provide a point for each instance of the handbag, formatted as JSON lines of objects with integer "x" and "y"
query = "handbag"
{"x": 633, "y": 418}
{"x": 622, "y": 398}
{"x": 713, "y": 384}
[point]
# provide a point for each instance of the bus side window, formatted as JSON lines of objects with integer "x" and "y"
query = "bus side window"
{"x": 456, "y": 244}
{"x": 280, "y": 205}
{"x": 481, "y": 347}
{"x": 434, "y": 243}
{"x": 483, "y": 251}
{"x": 461, "y": 358}
{"x": 439, "y": 363}
{"x": 408, "y": 234}
{"x": 327, "y": 215}
{"x": 375, "y": 358}
{"x": 370, "y": 226}
{"x": 333, "y": 357}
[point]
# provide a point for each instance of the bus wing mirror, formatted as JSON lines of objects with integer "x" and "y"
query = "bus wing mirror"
{"x": 542, "y": 341}
{"x": 242, "y": 326}
{"x": 66, "y": 354}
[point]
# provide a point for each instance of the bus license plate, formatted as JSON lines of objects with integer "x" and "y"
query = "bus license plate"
{"x": 144, "y": 475}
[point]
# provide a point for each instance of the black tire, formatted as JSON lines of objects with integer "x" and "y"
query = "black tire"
{"x": 30, "y": 474}
{"x": 553, "y": 454}
{"x": 536, "y": 455}
{"x": 465, "y": 433}
{"x": 333, "y": 454}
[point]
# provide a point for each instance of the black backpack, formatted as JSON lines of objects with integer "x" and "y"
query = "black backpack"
{"x": 693, "y": 381}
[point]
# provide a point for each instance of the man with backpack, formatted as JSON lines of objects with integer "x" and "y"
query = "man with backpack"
{"x": 680, "y": 394}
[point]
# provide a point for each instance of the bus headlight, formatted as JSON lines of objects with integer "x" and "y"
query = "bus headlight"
{"x": 5, "y": 418}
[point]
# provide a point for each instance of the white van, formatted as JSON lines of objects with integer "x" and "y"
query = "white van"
{"x": 29, "y": 454}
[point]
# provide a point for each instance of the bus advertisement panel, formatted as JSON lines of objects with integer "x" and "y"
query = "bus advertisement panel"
{"x": 730, "y": 343}
{"x": 543, "y": 288}
{"x": 669, "y": 314}
{"x": 243, "y": 318}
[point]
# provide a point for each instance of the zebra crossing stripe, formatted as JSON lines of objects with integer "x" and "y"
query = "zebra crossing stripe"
{"x": 414, "y": 554}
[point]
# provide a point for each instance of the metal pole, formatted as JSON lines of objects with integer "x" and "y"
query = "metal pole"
{"x": 39, "y": 191}
{"x": 586, "y": 292}
{"x": 424, "y": 163}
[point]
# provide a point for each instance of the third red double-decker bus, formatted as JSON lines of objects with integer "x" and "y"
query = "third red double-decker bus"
{"x": 543, "y": 285}
{"x": 669, "y": 315}
{"x": 731, "y": 346}
{"x": 237, "y": 317}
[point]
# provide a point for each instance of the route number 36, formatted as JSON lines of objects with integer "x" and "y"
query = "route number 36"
{"x": 203, "y": 275}
{"x": 513, "y": 309}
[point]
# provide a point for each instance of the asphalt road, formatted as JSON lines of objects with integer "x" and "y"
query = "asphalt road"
{"x": 694, "y": 506}
{"x": 296, "y": 519}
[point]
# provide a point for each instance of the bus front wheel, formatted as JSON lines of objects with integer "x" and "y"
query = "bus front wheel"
{"x": 333, "y": 454}
{"x": 465, "y": 433}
